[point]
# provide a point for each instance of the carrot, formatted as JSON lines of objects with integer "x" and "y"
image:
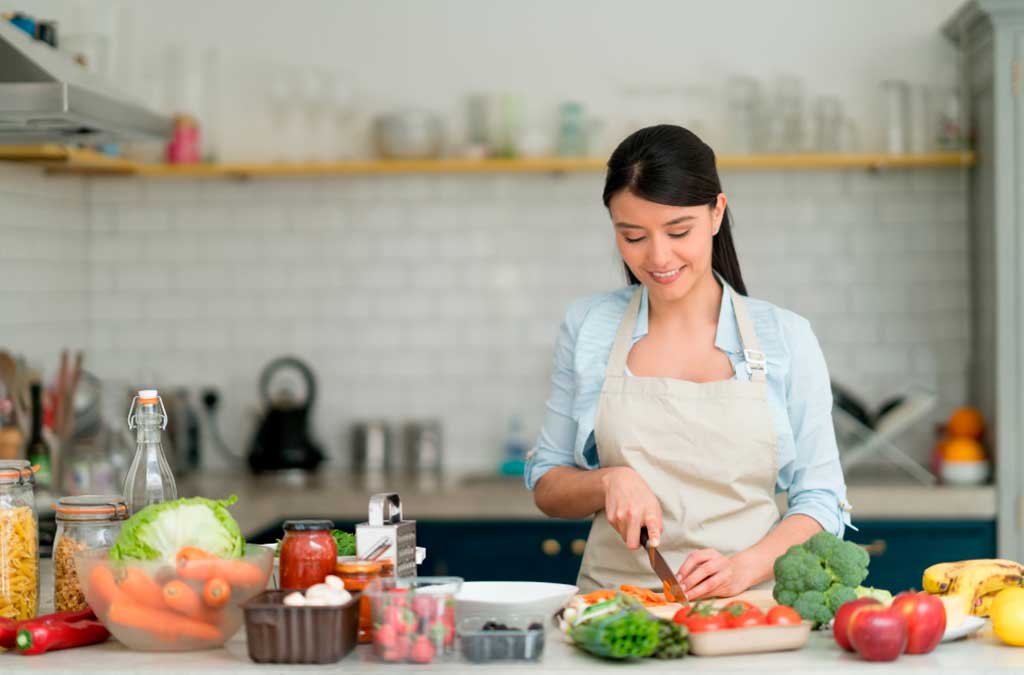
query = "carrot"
{"x": 668, "y": 591}
{"x": 162, "y": 622}
{"x": 101, "y": 581}
{"x": 193, "y": 553}
{"x": 600, "y": 595}
{"x": 234, "y": 572}
{"x": 216, "y": 592}
{"x": 140, "y": 588}
{"x": 182, "y": 599}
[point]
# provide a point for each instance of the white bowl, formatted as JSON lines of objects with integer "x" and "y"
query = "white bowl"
{"x": 494, "y": 599}
{"x": 964, "y": 473}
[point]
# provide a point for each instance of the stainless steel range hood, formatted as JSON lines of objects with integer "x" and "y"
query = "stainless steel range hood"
{"x": 45, "y": 97}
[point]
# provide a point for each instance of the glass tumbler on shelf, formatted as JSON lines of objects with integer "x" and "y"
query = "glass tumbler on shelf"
{"x": 19, "y": 541}
{"x": 896, "y": 95}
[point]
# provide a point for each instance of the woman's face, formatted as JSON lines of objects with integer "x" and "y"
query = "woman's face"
{"x": 668, "y": 248}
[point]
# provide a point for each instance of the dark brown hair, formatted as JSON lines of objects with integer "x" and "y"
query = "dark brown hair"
{"x": 670, "y": 165}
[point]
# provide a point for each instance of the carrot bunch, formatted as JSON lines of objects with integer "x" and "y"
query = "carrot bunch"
{"x": 187, "y": 602}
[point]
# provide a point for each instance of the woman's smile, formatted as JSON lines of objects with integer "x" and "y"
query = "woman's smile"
{"x": 668, "y": 276}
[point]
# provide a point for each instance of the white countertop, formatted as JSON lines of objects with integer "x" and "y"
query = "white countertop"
{"x": 265, "y": 500}
{"x": 983, "y": 654}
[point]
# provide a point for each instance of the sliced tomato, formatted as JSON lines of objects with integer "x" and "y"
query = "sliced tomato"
{"x": 780, "y": 615}
{"x": 745, "y": 619}
{"x": 700, "y": 623}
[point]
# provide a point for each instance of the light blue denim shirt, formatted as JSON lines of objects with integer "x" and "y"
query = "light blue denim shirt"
{"x": 799, "y": 394}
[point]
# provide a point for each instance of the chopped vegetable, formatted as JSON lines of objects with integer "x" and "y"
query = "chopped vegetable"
{"x": 161, "y": 531}
{"x": 818, "y": 576}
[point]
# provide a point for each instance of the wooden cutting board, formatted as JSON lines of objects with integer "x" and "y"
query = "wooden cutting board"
{"x": 761, "y": 598}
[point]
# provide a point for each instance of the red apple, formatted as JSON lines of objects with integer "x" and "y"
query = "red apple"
{"x": 877, "y": 632}
{"x": 840, "y": 627}
{"x": 926, "y": 620}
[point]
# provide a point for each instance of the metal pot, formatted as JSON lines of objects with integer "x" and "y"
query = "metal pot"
{"x": 408, "y": 134}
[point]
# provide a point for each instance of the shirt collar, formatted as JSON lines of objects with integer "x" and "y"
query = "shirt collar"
{"x": 727, "y": 336}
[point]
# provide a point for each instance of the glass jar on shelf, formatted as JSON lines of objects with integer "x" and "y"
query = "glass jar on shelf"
{"x": 83, "y": 523}
{"x": 19, "y": 541}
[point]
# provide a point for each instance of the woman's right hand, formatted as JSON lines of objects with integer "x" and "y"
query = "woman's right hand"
{"x": 629, "y": 505}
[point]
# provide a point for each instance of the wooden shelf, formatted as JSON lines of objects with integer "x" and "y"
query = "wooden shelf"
{"x": 58, "y": 159}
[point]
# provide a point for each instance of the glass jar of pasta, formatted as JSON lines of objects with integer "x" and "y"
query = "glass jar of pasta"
{"x": 19, "y": 541}
{"x": 85, "y": 522}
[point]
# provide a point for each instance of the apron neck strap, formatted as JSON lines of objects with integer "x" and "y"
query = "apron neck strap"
{"x": 757, "y": 363}
{"x": 624, "y": 337}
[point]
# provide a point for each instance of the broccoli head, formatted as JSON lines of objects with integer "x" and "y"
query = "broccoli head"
{"x": 784, "y": 596}
{"x": 823, "y": 544}
{"x": 811, "y": 606}
{"x": 848, "y": 564}
{"x": 799, "y": 570}
{"x": 838, "y": 595}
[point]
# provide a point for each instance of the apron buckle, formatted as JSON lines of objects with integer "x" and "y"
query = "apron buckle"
{"x": 756, "y": 360}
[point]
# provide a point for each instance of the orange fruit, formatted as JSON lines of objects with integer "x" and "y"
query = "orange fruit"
{"x": 962, "y": 449}
{"x": 966, "y": 421}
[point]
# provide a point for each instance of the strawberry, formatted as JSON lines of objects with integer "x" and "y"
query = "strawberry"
{"x": 422, "y": 651}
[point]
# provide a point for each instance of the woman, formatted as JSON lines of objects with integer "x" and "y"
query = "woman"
{"x": 680, "y": 405}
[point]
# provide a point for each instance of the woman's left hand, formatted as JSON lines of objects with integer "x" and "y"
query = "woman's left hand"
{"x": 709, "y": 574}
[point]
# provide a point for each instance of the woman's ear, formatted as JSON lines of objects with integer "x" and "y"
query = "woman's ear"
{"x": 718, "y": 213}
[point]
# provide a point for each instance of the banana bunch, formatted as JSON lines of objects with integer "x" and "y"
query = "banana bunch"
{"x": 972, "y": 583}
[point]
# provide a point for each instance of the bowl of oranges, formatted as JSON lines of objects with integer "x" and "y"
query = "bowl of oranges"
{"x": 963, "y": 459}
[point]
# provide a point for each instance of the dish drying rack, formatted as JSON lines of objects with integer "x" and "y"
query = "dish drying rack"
{"x": 859, "y": 442}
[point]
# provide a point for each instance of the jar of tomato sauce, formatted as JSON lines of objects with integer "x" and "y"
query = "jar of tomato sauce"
{"x": 308, "y": 553}
{"x": 357, "y": 575}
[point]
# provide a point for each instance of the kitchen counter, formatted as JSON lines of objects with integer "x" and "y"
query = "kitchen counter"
{"x": 265, "y": 500}
{"x": 984, "y": 654}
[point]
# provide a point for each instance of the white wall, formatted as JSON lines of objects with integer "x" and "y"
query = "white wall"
{"x": 441, "y": 295}
{"x": 432, "y": 54}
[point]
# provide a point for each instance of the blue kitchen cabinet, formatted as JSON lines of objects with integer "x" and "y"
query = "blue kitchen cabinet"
{"x": 900, "y": 550}
{"x": 551, "y": 550}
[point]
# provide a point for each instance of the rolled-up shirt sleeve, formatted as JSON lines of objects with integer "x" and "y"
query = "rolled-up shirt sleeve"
{"x": 554, "y": 446}
{"x": 818, "y": 488}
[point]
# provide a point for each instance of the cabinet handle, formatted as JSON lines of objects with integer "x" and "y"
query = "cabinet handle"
{"x": 551, "y": 547}
{"x": 875, "y": 548}
{"x": 578, "y": 546}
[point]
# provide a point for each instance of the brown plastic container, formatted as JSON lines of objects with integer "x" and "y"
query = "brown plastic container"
{"x": 278, "y": 633}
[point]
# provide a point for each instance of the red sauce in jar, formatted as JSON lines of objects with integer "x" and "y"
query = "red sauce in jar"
{"x": 308, "y": 553}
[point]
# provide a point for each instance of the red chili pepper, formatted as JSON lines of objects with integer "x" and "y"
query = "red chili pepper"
{"x": 45, "y": 636}
{"x": 9, "y": 627}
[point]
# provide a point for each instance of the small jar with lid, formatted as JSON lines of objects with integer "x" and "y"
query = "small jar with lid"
{"x": 308, "y": 553}
{"x": 19, "y": 541}
{"x": 357, "y": 575}
{"x": 83, "y": 523}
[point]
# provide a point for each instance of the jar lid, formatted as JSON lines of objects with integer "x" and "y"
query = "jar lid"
{"x": 91, "y": 507}
{"x": 307, "y": 525}
{"x": 359, "y": 567}
{"x": 17, "y": 471}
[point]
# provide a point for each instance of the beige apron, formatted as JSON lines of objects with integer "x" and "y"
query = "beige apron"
{"x": 707, "y": 451}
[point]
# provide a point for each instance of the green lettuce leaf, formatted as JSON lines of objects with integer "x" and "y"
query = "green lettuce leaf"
{"x": 159, "y": 531}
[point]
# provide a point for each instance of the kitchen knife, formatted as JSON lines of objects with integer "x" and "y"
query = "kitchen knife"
{"x": 661, "y": 567}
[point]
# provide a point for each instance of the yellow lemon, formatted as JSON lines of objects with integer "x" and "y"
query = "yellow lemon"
{"x": 1008, "y": 616}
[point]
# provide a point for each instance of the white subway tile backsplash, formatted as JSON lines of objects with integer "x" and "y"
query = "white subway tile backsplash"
{"x": 442, "y": 295}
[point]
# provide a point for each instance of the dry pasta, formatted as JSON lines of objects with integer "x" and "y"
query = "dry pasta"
{"x": 19, "y": 563}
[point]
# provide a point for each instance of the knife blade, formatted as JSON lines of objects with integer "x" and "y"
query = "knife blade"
{"x": 661, "y": 568}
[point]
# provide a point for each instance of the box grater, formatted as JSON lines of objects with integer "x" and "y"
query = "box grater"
{"x": 400, "y": 535}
